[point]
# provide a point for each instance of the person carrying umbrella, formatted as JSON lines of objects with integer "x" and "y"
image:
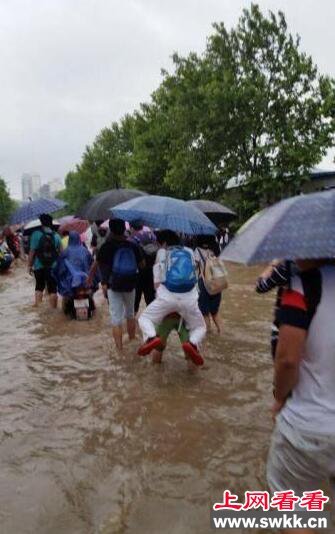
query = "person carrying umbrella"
{"x": 300, "y": 229}
{"x": 302, "y": 451}
{"x": 45, "y": 247}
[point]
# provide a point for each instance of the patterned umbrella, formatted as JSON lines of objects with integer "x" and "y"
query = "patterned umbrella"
{"x": 301, "y": 227}
{"x": 165, "y": 213}
{"x": 30, "y": 210}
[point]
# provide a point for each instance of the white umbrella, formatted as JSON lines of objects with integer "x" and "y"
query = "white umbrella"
{"x": 34, "y": 225}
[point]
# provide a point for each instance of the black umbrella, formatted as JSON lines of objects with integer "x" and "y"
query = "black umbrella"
{"x": 98, "y": 207}
{"x": 217, "y": 213}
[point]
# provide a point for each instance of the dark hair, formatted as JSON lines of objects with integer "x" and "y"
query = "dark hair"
{"x": 117, "y": 226}
{"x": 205, "y": 240}
{"x": 208, "y": 241}
{"x": 167, "y": 236}
{"x": 46, "y": 220}
{"x": 136, "y": 225}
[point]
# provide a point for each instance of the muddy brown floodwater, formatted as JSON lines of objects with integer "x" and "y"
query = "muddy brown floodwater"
{"x": 91, "y": 442}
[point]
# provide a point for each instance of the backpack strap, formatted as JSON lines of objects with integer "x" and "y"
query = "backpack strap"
{"x": 203, "y": 260}
{"x": 312, "y": 285}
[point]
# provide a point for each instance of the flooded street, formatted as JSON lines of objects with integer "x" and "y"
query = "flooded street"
{"x": 92, "y": 442}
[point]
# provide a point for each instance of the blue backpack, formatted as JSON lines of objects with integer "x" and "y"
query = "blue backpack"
{"x": 180, "y": 271}
{"x": 124, "y": 263}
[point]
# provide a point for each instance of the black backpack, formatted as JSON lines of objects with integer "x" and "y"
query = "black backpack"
{"x": 47, "y": 251}
{"x": 312, "y": 284}
{"x": 149, "y": 248}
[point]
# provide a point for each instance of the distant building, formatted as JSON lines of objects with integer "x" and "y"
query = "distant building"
{"x": 56, "y": 185}
{"x": 45, "y": 191}
{"x": 27, "y": 187}
{"x": 30, "y": 184}
{"x": 36, "y": 185}
{"x": 319, "y": 180}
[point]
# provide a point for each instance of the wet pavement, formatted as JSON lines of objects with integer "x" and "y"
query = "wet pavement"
{"x": 94, "y": 442}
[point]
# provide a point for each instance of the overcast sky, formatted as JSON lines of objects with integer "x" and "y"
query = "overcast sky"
{"x": 70, "y": 67}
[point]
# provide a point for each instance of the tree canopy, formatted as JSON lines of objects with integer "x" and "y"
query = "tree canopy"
{"x": 252, "y": 105}
{"x": 7, "y": 205}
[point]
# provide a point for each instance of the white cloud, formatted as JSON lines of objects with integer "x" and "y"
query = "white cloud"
{"x": 70, "y": 67}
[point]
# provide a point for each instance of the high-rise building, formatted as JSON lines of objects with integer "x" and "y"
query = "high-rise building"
{"x": 31, "y": 184}
{"x": 27, "y": 187}
{"x": 36, "y": 185}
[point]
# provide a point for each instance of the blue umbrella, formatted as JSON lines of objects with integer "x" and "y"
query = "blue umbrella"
{"x": 33, "y": 209}
{"x": 165, "y": 213}
{"x": 300, "y": 227}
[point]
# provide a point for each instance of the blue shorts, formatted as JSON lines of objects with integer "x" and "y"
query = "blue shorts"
{"x": 208, "y": 304}
{"x": 121, "y": 306}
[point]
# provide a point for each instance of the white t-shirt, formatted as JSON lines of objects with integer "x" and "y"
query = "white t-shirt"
{"x": 311, "y": 407}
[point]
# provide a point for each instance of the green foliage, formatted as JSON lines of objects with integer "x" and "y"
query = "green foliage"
{"x": 7, "y": 205}
{"x": 253, "y": 104}
{"x": 104, "y": 165}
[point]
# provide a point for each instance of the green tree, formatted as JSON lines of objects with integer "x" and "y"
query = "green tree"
{"x": 104, "y": 164}
{"x": 7, "y": 205}
{"x": 149, "y": 161}
{"x": 254, "y": 105}
{"x": 278, "y": 108}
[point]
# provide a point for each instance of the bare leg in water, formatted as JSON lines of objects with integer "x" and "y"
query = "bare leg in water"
{"x": 53, "y": 299}
{"x": 217, "y": 321}
{"x": 117, "y": 335}
{"x": 157, "y": 356}
{"x": 131, "y": 328}
{"x": 208, "y": 322}
{"x": 38, "y": 298}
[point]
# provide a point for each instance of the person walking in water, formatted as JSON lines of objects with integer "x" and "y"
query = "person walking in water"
{"x": 119, "y": 261}
{"x": 175, "y": 271}
{"x": 302, "y": 452}
{"x": 45, "y": 247}
{"x": 147, "y": 242}
{"x": 207, "y": 246}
